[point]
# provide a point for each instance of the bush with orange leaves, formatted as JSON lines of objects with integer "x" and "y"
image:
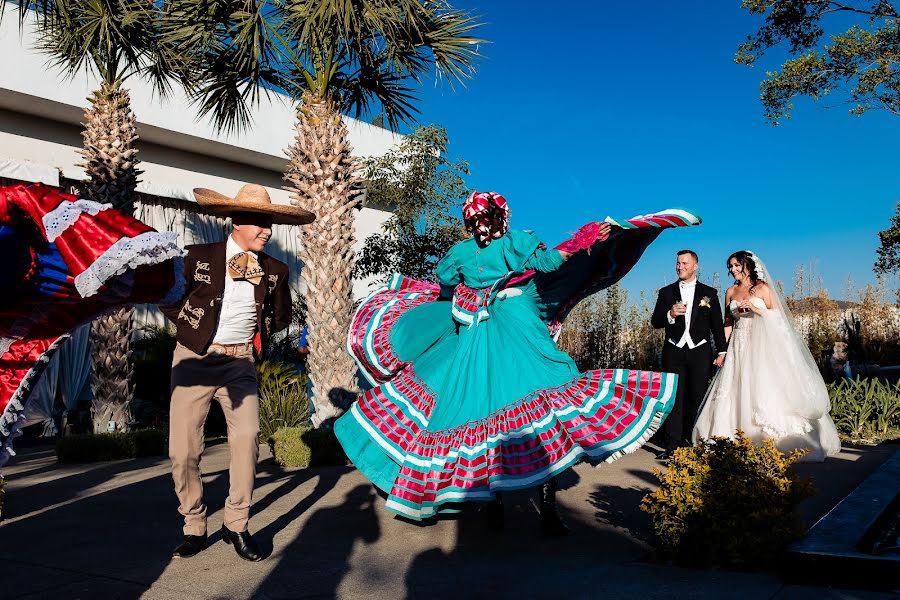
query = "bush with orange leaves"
{"x": 728, "y": 502}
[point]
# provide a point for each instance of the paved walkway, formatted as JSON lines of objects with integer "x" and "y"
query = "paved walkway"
{"x": 106, "y": 530}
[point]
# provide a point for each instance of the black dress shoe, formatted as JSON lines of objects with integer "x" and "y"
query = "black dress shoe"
{"x": 552, "y": 524}
{"x": 191, "y": 545}
{"x": 243, "y": 544}
{"x": 495, "y": 517}
{"x": 664, "y": 455}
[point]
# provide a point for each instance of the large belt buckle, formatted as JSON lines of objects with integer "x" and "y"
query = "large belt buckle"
{"x": 217, "y": 350}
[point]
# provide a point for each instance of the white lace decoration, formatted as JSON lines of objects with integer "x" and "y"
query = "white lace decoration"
{"x": 781, "y": 426}
{"x": 5, "y": 344}
{"x": 148, "y": 248}
{"x": 12, "y": 420}
{"x": 64, "y": 216}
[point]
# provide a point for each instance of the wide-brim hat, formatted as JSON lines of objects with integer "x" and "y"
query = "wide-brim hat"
{"x": 252, "y": 198}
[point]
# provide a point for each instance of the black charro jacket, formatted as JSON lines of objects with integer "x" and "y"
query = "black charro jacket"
{"x": 196, "y": 315}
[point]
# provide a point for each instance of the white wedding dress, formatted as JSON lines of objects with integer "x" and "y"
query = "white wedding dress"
{"x": 769, "y": 387}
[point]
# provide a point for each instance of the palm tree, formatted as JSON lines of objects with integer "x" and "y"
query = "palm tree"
{"x": 332, "y": 57}
{"x": 115, "y": 39}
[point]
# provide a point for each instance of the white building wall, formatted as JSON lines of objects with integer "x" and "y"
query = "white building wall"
{"x": 41, "y": 112}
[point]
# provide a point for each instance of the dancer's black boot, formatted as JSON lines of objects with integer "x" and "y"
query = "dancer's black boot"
{"x": 551, "y": 523}
{"x": 495, "y": 517}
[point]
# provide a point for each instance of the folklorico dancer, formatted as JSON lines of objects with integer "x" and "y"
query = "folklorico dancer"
{"x": 237, "y": 297}
{"x": 66, "y": 260}
{"x": 472, "y": 397}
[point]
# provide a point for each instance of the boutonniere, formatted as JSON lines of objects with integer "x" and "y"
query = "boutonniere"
{"x": 704, "y": 302}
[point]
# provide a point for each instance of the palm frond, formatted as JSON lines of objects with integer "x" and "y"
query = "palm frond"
{"x": 376, "y": 49}
{"x": 357, "y": 53}
{"x": 116, "y": 39}
{"x": 229, "y": 53}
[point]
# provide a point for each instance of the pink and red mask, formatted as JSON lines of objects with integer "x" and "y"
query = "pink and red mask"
{"x": 486, "y": 215}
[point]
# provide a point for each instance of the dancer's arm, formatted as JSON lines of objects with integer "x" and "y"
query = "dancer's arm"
{"x": 546, "y": 260}
{"x": 448, "y": 273}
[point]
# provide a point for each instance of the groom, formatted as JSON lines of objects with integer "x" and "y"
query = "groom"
{"x": 691, "y": 315}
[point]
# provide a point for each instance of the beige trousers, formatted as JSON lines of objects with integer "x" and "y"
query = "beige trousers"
{"x": 196, "y": 380}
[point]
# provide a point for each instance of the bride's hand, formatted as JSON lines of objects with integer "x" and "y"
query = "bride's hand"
{"x": 750, "y": 306}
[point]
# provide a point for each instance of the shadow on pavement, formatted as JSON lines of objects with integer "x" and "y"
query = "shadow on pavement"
{"x": 320, "y": 554}
{"x": 518, "y": 562}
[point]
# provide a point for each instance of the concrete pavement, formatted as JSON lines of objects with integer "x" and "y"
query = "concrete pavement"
{"x": 106, "y": 531}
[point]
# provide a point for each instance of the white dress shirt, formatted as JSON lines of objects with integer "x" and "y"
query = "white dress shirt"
{"x": 686, "y": 288}
{"x": 237, "y": 319}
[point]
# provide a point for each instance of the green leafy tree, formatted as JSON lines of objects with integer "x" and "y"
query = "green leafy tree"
{"x": 115, "y": 40}
{"x": 424, "y": 189}
{"x": 861, "y": 57}
{"x": 333, "y": 57}
{"x": 889, "y": 250}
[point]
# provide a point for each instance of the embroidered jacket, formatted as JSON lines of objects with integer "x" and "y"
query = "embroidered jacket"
{"x": 196, "y": 316}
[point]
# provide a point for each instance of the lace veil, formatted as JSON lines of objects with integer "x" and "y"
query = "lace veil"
{"x": 789, "y": 358}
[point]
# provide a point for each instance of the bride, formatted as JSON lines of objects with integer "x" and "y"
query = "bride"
{"x": 769, "y": 386}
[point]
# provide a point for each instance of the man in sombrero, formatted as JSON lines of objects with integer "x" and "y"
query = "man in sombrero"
{"x": 236, "y": 298}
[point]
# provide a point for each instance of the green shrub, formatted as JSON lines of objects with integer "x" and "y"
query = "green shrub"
{"x": 865, "y": 408}
{"x": 150, "y": 442}
{"x": 90, "y": 447}
{"x": 151, "y": 358}
{"x": 725, "y": 501}
{"x": 282, "y": 397}
{"x": 306, "y": 447}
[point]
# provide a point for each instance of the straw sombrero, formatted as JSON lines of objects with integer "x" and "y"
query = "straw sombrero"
{"x": 252, "y": 198}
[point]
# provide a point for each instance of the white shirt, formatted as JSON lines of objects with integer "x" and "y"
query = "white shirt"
{"x": 686, "y": 288}
{"x": 237, "y": 319}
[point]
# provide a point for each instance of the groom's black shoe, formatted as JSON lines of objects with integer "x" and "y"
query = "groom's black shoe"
{"x": 191, "y": 545}
{"x": 243, "y": 544}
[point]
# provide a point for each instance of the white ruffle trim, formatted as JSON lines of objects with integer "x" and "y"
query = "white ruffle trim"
{"x": 13, "y": 418}
{"x": 148, "y": 248}
{"x": 781, "y": 426}
{"x": 64, "y": 216}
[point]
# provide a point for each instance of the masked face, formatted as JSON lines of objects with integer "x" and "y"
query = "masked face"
{"x": 486, "y": 215}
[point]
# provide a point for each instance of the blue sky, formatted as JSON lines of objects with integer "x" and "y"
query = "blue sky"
{"x": 596, "y": 110}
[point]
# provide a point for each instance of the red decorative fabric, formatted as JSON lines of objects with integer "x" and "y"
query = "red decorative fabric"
{"x": 586, "y": 236}
{"x": 369, "y": 338}
{"x": 32, "y": 320}
{"x": 81, "y": 245}
{"x": 487, "y": 215}
{"x": 95, "y": 235}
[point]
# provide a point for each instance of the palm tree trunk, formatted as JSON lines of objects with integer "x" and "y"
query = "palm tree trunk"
{"x": 321, "y": 172}
{"x": 110, "y": 160}
{"x": 112, "y": 371}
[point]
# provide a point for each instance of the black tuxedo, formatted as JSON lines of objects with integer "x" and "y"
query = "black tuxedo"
{"x": 692, "y": 365}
